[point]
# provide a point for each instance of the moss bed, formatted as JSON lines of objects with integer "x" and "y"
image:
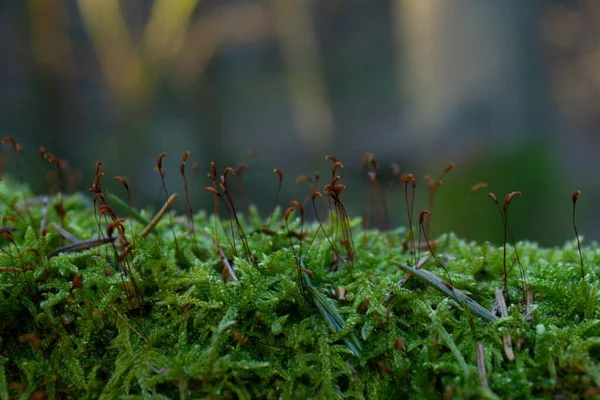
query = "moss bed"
{"x": 166, "y": 321}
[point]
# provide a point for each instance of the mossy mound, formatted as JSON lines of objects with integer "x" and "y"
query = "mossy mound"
{"x": 157, "y": 324}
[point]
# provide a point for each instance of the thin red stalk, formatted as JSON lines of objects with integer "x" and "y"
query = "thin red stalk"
{"x": 225, "y": 189}
{"x": 98, "y": 196}
{"x": 126, "y": 186}
{"x": 161, "y": 171}
{"x": 213, "y": 177}
{"x": 431, "y": 188}
{"x": 333, "y": 217}
{"x": 117, "y": 224}
{"x": 574, "y": 199}
{"x": 279, "y": 180}
{"x": 334, "y": 190}
{"x": 507, "y": 200}
{"x": 230, "y": 213}
{"x": 346, "y": 233}
{"x": 187, "y": 206}
{"x": 412, "y": 213}
{"x": 493, "y": 197}
{"x": 409, "y": 211}
{"x": 218, "y": 196}
{"x": 296, "y": 257}
{"x": 313, "y": 196}
{"x": 313, "y": 187}
{"x": 421, "y": 223}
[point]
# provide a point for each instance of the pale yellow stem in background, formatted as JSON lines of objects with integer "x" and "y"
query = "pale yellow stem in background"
{"x": 166, "y": 30}
{"x": 415, "y": 47}
{"x": 117, "y": 54}
{"x": 159, "y": 215}
{"x": 295, "y": 32}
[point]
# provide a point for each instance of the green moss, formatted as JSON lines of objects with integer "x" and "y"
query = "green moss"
{"x": 191, "y": 335}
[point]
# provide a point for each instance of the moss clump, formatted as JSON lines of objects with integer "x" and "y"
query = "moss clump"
{"x": 89, "y": 324}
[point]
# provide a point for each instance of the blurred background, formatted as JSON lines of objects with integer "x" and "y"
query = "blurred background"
{"x": 509, "y": 91}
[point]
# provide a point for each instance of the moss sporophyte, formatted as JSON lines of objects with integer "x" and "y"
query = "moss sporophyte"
{"x": 101, "y": 300}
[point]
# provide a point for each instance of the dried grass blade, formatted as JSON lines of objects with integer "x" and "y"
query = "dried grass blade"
{"x": 406, "y": 277}
{"x": 481, "y": 366}
{"x": 226, "y": 265}
{"x": 165, "y": 208}
{"x": 65, "y": 233}
{"x": 83, "y": 245}
{"x": 506, "y": 339}
{"x": 449, "y": 291}
{"x": 333, "y": 317}
{"x": 123, "y": 206}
